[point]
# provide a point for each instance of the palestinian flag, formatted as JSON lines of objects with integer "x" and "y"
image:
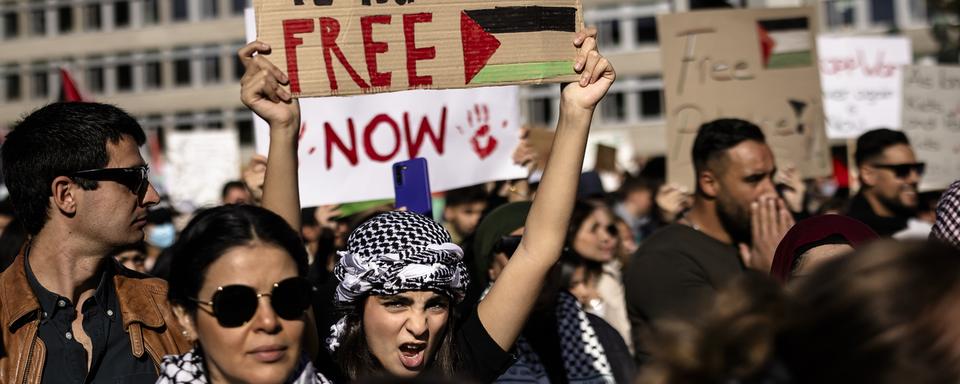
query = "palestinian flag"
{"x": 493, "y": 39}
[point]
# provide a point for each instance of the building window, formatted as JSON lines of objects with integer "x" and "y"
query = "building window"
{"x": 646, "y": 30}
{"x": 38, "y": 22}
{"x": 213, "y": 118}
{"x": 237, "y": 6}
{"x": 151, "y": 11}
{"x": 614, "y": 108}
{"x": 651, "y": 104}
{"x": 183, "y": 121}
{"x": 11, "y": 77}
{"x": 94, "y": 75}
{"x": 181, "y": 10}
{"x": 608, "y": 33}
{"x": 238, "y": 68}
{"x": 124, "y": 69}
{"x": 209, "y": 9}
{"x": 211, "y": 65}
{"x": 92, "y": 20}
{"x": 41, "y": 81}
{"x": 121, "y": 14}
{"x": 244, "y": 122}
{"x": 181, "y": 67}
{"x": 541, "y": 110}
{"x": 65, "y": 19}
{"x": 882, "y": 12}
{"x": 153, "y": 70}
{"x": 11, "y": 24}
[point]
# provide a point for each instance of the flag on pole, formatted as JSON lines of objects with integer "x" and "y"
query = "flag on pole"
{"x": 68, "y": 88}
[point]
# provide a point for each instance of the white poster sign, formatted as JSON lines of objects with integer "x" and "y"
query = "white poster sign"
{"x": 348, "y": 144}
{"x": 861, "y": 81}
{"x": 931, "y": 119}
{"x": 198, "y": 164}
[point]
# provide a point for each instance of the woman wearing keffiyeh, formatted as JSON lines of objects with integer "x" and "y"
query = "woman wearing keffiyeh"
{"x": 401, "y": 275}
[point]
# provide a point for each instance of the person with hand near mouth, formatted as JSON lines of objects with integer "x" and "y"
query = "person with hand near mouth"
{"x": 401, "y": 273}
{"x": 239, "y": 290}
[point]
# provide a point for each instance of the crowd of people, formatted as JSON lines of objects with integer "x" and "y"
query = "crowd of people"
{"x": 754, "y": 275}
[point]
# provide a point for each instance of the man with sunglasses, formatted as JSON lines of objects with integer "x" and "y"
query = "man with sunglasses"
{"x": 889, "y": 175}
{"x": 69, "y": 312}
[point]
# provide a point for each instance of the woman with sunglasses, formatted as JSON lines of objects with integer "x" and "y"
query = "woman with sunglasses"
{"x": 239, "y": 287}
{"x": 401, "y": 275}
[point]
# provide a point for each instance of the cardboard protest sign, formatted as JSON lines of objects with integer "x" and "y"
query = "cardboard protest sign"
{"x": 198, "y": 164}
{"x": 347, "y": 144}
{"x": 931, "y": 119}
{"x": 331, "y": 47}
{"x": 757, "y": 65}
{"x": 862, "y": 84}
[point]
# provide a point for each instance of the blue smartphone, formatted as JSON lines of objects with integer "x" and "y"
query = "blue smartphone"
{"x": 411, "y": 186}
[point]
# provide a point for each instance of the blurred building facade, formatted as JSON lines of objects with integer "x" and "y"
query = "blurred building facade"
{"x": 172, "y": 63}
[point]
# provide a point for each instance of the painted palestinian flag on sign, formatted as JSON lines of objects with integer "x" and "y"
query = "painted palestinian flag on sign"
{"x": 493, "y": 37}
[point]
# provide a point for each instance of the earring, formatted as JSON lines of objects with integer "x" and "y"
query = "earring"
{"x": 184, "y": 333}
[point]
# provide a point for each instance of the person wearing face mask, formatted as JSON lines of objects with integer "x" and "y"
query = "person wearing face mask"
{"x": 159, "y": 234}
{"x": 401, "y": 274}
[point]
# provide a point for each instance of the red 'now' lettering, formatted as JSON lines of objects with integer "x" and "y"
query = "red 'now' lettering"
{"x": 330, "y": 32}
{"x": 386, "y": 150}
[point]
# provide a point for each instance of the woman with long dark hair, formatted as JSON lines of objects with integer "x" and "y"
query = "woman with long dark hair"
{"x": 401, "y": 274}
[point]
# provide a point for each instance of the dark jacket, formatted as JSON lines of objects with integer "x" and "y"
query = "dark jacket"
{"x": 147, "y": 317}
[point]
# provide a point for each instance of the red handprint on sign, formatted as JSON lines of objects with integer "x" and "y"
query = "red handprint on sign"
{"x": 482, "y": 141}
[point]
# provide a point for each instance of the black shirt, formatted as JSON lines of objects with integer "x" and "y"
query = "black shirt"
{"x": 860, "y": 209}
{"x": 675, "y": 273}
{"x": 481, "y": 358}
{"x": 66, "y": 360}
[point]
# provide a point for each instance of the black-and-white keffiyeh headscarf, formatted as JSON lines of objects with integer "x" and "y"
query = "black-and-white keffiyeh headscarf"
{"x": 396, "y": 252}
{"x": 946, "y": 228}
{"x": 188, "y": 369}
{"x": 584, "y": 359}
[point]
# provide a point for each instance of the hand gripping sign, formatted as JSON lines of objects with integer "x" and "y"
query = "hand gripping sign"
{"x": 347, "y": 47}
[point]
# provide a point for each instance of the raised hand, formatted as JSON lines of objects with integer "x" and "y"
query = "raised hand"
{"x": 769, "y": 222}
{"x": 262, "y": 88}
{"x": 596, "y": 73}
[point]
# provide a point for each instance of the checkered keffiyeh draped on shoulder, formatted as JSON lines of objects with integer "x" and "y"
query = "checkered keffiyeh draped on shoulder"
{"x": 400, "y": 251}
{"x": 947, "y": 226}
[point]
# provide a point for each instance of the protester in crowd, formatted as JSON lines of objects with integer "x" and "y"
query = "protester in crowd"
{"x": 947, "y": 225}
{"x": 236, "y": 192}
{"x": 736, "y": 222}
{"x": 70, "y": 312}
{"x": 240, "y": 291}
{"x": 560, "y": 341}
{"x": 318, "y": 230}
{"x": 241, "y": 294}
{"x": 636, "y": 207}
{"x": 462, "y": 210}
{"x": 401, "y": 275}
{"x": 884, "y": 314}
{"x": 159, "y": 234}
{"x": 593, "y": 236}
{"x": 889, "y": 175}
{"x": 11, "y": 240}
{"x": 132, "y": 257}
{"x": 628, "y": 244}
{"x": 816, "y": 240}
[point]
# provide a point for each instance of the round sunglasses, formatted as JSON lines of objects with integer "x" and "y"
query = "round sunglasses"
{"x": 234, "y": 305}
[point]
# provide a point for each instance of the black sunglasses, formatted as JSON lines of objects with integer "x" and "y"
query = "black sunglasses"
{"x": 135, "y": 178}
{"x": 508, "y": 245}
{"x": 902, "y": 171}
{"x": 234, "y": 305}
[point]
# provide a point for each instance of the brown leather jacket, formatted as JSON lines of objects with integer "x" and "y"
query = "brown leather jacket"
{"x": 146, "y": 314}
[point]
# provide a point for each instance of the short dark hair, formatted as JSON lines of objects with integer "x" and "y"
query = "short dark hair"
{"x": 716, "y": 137}
{"x": 215, "y": 231}
{"x": 57, "y": 140}
{"x": 465, "y": 195}
{"x": 231, "y": 185}
{"x": 871, "y": 144}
